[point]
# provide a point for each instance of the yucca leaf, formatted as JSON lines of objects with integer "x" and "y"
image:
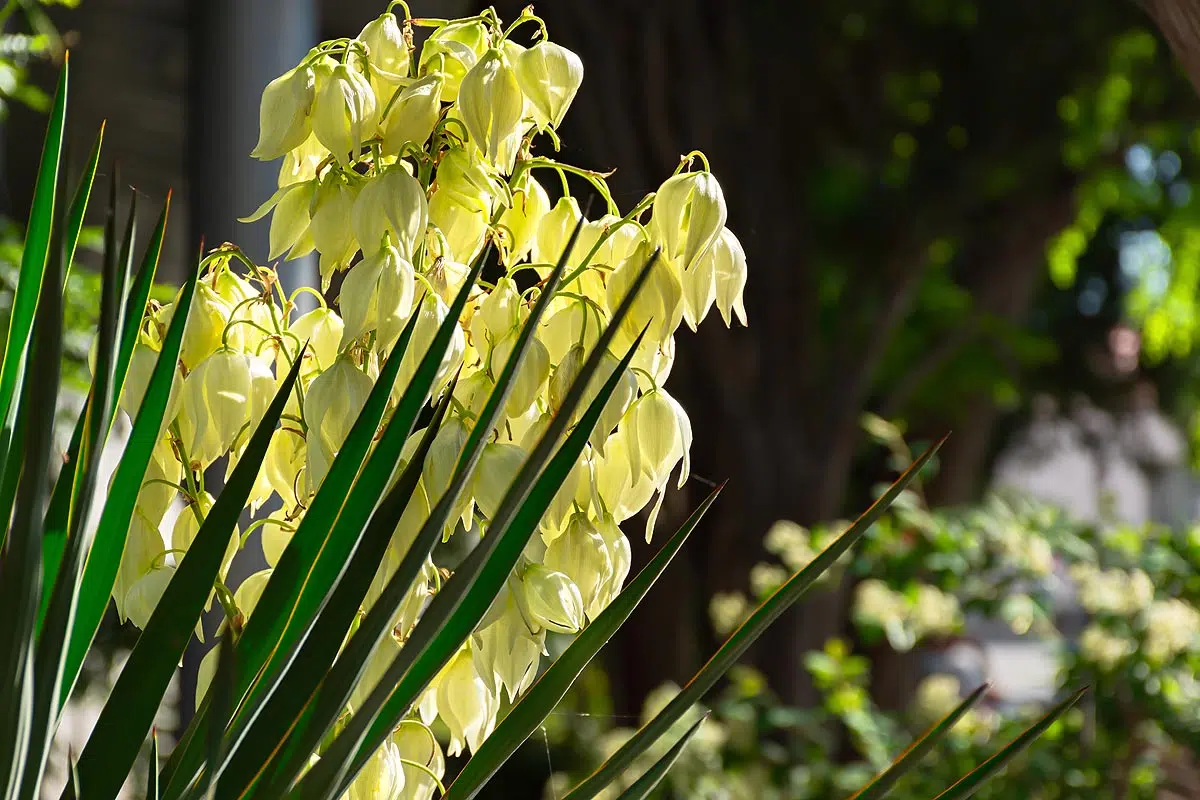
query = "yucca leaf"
{"x": 21, "y": 750}
{"x": 104, "y": 557}
{"x": 277, "y": 711}
{"x": 51, "y": 647}
{"x": 883, "y": 783}
{"x": 649, "y": 781}
{"x": 152, "y": 771}
{"x": 134, "y": 699}
{"x": 532, "y": 709}
{"x": 221, "y": 691}
{"x": 59, "y": 511}
{"x": 79, "y": 202}
{"x": 463, "y": 601}
{"x": 351, "y": 664}
{"x": 42, "y": 221}
{"x": 314, "y": 557}
{"x": 743, "y": 637}
{"x": 970, "y": 783}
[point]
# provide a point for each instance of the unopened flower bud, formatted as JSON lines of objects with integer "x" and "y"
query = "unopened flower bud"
{"x": 465, "y": 704}
{"x": 550, "y": 75}
{"x": 729, "y": 263}
{"x": 413, "y": 115}
{"x": 344, "y": 111}
{"x": 377, "y": 295}
{"x": 550, "y": 599}
{"x": 283, "y": 116}
{"x": 334, "y": 400}
{"x": 491, "y": 104}
{"x": 582, "y": 553}
{"x": 689, "y": 212}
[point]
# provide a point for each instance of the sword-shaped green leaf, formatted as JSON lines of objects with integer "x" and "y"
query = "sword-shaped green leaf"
{"x": 650, "y": 780}
{"x": 741, "y": 639}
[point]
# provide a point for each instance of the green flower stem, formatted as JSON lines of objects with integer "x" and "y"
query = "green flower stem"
{"x": 628, "y": 219}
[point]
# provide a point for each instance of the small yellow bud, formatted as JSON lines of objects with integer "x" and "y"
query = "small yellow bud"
{"x": 377, "y": 295}
{"x": 334, "y": 400}
{"x": 344, "y": 112}
{"x": 414, "y": 115}
{"x": 283, "y": 116}
{"x": 549, "y": 599}
{"x": 491, "y": 104}
{"x": 550, "y": 75}
{"x": 689, "y": 212}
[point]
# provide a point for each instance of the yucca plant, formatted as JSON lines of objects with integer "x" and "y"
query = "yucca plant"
{"x": 437, "y": 406}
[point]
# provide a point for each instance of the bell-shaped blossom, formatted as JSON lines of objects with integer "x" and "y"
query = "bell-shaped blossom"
{"x": 582, "y": 553}
{"x": 440, "y": 465}
{"x": 530, "y": 380}
{"x": 322, "y": 328}
{"x": 143, "y": 596}
{"x": 187, "y": 526}
{"x": 498, "y": 467}
{"x": 498, "y": 314}
{"x": 145, "y": 550}
{"x": 156, "y": 496}
{"x": 285, "y": 459}
{"x": 332, "y": 227}
{"x": 689, "y": 212}
{"x": 451, "y": 51}
{"x": 661, "y": 436}
{"x": 387, "y": 51}
{"x": 523, "y": 218}
{"x": 301, "y": 163}
{"x": 621, "y": 557}
{"x": 344, "y": 112}
{"x": 431, "y": 311}
{"x": 205, "y": 328}
{"x": 414, "y": 114}
{"x": 225, "y": 393}
{"x": 550, "y": 75}
{"x": 276, "y": 534}
{"x": 283, "y": 116}
{"x": 394, "y": 203}
{"x": 549, "y": 599}
{"x": 729, "y": 264}
{"x": 659, "y": 304}
{"x": 621, "y": 491}
{"x": 506, "y": 653}
{"x": 464, "y": 702}
{"x": 554, "y": 232}
{"x": 491, "y": 104}
{"x": 334, "y": 400}
{"x": 382, "y": 777}
{"x": 418, "y": 746}
{"x": 141, "y": 367}
{"x": 377, "y": 295}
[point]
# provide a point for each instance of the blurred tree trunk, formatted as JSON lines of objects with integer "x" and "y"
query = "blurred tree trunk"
{"x": 1179, "y": 21}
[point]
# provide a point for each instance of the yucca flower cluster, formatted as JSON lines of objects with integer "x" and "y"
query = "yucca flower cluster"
{"x": 401, "y": 164}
